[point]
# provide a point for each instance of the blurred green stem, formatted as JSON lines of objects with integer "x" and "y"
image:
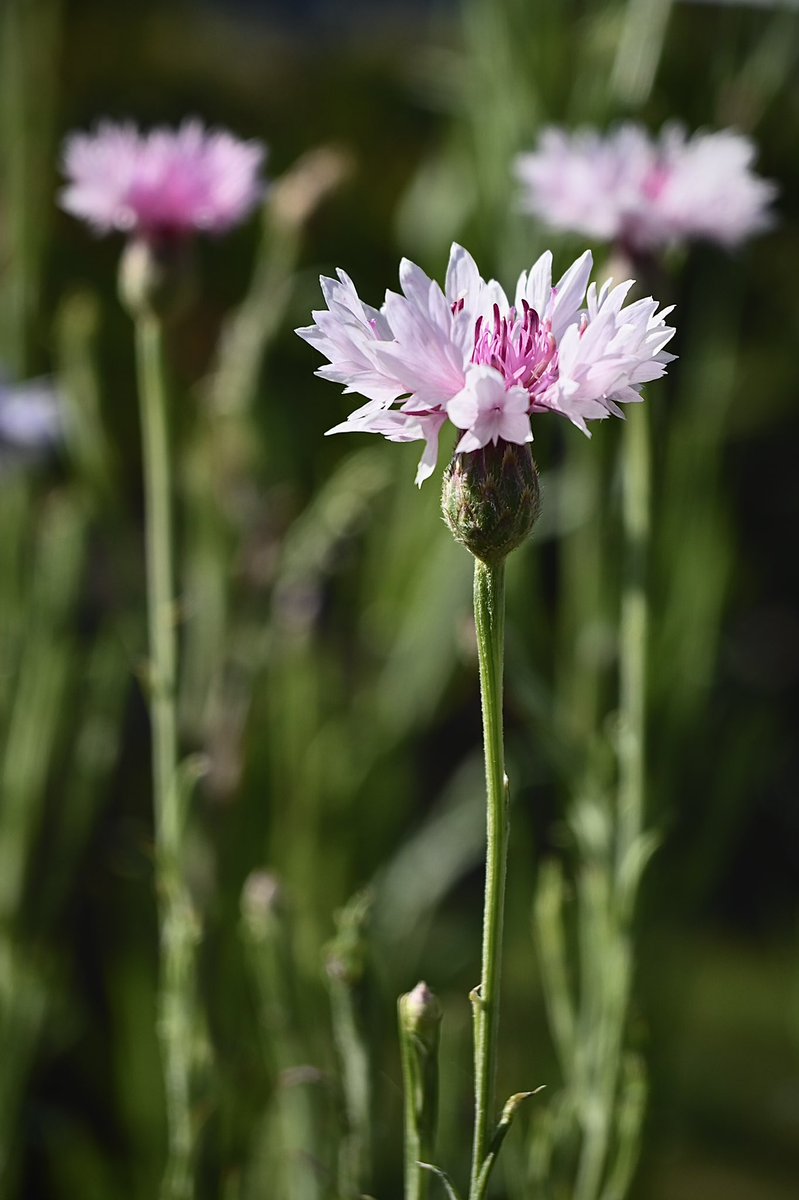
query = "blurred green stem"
{"x": 355, "y": 1156}
{"x": 608, "y": 911}
{"x": 633, "y": 646}
{"x": 582, "y": 604}
{"x": 176, "y": 920}
{"x": 345, "y": 963}
{"x": 489, "y": 614}
{"x": 640, "y": 47}
{"x": 160, "y": 584}
{"x": 39, "y": 674}
{"x": 290, "y": 1168}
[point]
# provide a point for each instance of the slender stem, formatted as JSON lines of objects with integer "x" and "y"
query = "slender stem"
{"x": 290, "y": 1169}
{"x": 419, "y": 1015}
{"x": 489, "y": 613}
{"x": 607, "y": 889}
{"x": 345, "y": 963}
{"x": 632, "y": 642}
{"x": 613, "y": 976}
{"x": 355, "y": 1146}
{"x": 415, "y": 1178}
{"x": 412, "y": 1153}
{"x": 582, "y": 604}
{"x": 175, "y": 909}
{"x": 160, "y": 581}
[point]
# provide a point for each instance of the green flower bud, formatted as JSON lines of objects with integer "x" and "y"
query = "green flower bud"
{"x": 491, "y": 499}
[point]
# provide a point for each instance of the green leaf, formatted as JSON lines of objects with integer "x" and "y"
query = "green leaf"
{"x": 445, "y": 1179}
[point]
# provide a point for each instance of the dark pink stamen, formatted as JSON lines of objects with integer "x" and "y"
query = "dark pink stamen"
{"x": 520, "y": 347}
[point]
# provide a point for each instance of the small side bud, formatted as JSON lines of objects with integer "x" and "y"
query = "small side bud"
{"x": 261, "y": 903}
{"x": 491, "y": 499}
{"x": 420, "y": 1015}
{"x": 156, "y": 276}
{"x": 346, "y": 953}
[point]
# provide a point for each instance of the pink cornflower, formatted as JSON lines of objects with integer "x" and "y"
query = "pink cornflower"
{"x": 468, "y": 356}
{"x": 165, "y": 183}
{"x": 646, "y": 193}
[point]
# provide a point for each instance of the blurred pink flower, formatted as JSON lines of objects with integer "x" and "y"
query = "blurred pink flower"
{"x": 166, "y": 182}
{"x": 468, "y": 356}
{"x": 644, "y": 193}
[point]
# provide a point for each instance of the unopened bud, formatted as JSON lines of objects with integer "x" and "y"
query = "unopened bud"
{"x": 156, "y": 276}
{"x": 261, "y": 902}
{"x": 420, "y": 1015}
{"x": 491, "y": 499}
{"x": 345, "y": 954}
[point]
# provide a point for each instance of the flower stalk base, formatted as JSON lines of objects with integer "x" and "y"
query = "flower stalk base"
{"x": 178, "y": 925}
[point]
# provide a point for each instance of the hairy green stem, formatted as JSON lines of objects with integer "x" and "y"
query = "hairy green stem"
{"x": 176, "y": 1001}
{"x": 489, "y": 613}
{"x": 419, "y": 1019}
{"x": 415, "y": 1177}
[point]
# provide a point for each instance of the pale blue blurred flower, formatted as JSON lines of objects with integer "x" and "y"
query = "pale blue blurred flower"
{"x": 31, "y": 419}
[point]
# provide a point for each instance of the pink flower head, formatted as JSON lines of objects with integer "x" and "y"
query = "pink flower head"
{"x": 645, "y": 193}
{"x": 468, "y": 356}
{"x": 163, "y": 183}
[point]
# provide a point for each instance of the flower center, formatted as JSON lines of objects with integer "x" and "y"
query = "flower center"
{"x": 655, "y": 181}
{"x": 520, "y": 346}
